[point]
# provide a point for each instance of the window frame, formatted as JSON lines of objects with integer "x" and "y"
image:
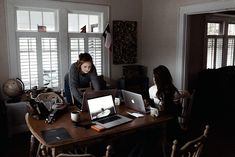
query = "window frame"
{"x": 38, "y": 36}
{"x": 63, "y": 8}
{"x": 89, "y": 13}
{"x": 224, "y": 20}
{"x": 40, "y": 10}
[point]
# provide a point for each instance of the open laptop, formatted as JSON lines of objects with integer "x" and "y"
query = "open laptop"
{"x": 103, "y": 112}
{"x": 135, "y": 101}
{"x": 94, "y": 94}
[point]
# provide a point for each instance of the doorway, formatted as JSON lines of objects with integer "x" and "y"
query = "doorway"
{"x": 183, "y": 59}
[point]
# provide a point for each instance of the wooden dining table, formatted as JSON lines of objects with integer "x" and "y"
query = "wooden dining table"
{"x": 85, "y": 136}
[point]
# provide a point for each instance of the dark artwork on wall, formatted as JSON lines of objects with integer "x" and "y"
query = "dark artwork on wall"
{"x": 124, "y": 42}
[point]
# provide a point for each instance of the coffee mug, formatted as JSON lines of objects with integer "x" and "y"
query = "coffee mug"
{"x": 75, "y": 116}
{"x": 117, "y": 101}
{"x": 154, "y": 112}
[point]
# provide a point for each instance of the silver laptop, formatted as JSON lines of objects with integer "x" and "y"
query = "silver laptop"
{"x": 135, "y": 101}
{"x": 94, "y": 94}
{"x": 103, "y": 112}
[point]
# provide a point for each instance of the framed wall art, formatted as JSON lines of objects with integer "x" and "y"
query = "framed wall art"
{"x": 124, "y": 42}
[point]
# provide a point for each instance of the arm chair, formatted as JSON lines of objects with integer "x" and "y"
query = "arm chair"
{"x": 192, "y": 148}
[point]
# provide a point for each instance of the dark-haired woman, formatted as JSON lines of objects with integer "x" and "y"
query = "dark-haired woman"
{"x": 82, "y": 74}
{"x": 166, "y": 97}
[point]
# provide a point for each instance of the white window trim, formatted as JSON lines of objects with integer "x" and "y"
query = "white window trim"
{"x": 64, "y": 8}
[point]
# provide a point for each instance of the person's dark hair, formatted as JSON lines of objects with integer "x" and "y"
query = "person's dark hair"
{"x": 84, "y": 57}
{"x": 165, "y": 86}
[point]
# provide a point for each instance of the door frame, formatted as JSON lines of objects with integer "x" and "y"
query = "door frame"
{"x": 185, "y": 11}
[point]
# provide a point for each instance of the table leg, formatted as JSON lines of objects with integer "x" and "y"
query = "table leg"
{"x": 164, "y": 140}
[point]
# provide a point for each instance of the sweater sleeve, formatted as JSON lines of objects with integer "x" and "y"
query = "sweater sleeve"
{"x": 74, "y": 83}
{"x": 95, "y": 80}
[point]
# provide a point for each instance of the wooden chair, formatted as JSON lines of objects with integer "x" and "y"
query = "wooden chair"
{"x": 107, "y": 154}
{"x": 192, "y": 148}
{"x": 186, "y": 100}
{"x": 75, "y": 155}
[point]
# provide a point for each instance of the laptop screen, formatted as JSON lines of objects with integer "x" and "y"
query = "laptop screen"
{"x": 94, "y": 94}
{"x": 100, "y": 107}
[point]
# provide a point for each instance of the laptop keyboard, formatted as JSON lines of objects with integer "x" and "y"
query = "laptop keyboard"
{"x": 108, "y": 119}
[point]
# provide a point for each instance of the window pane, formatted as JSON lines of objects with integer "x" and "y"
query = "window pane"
{"x": 83, "y": 21}
{"x": 219, "y": 48}
{"x": 22, "y": 20}
{"x": 77, "y": 21}
{"x": 49, "y": 20}
{"x": 77, "y": 46}
{"x": 230, "y": 53}
{"x": 94, "y": 48}
{"x": 29, "y": 20}
{"x": 231, "y": 29}
{"x": 36, "y": 19}
{"x": 28, "y": 62}
{"x": 73, "y": 23}
{"x": 213, "y": 28}
{"x": 210, "y": 53}
{"x": 50, "y": 62}
{"x": 214, "y": 52}
{"x": 94, "y": 22}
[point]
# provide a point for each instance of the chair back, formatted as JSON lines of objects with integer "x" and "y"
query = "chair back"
{"x": 186, "y": 101}
{"x": 107, "y": 154}
{"x": 192, "y": 148}
{"x": 75, "y": 155}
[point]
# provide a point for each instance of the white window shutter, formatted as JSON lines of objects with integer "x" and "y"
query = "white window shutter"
{"x": 95, "y": 49}
{"x": 77, "y": 46}
{"x": 28, "y": 61}
{"x": 50, "y": 62}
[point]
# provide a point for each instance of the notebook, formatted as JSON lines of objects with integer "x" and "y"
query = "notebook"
{"x": 93, "y": 94}
{"x": 55, "y": 135}
{"x": 103, "y": 112}
{"x": 135, "y": 101}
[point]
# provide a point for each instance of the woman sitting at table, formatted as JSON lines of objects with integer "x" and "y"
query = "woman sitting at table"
{"x": 163, "y": 93}
{"x": 82, "y": 74}
{"x": 166, "y": 97}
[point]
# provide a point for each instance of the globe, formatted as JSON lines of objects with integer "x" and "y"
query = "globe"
{"x": 13, "y": 87}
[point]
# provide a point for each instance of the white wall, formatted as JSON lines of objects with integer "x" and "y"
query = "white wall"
{"x": 160, "y": 35}
{"x": 3, "y": 48}
{"x": 127, "y": 10}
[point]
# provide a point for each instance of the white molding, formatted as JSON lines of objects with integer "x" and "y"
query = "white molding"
{"x": 182, "y": 29}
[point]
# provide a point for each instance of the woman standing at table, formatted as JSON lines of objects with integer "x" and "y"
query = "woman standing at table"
{"x": 82, "y": 74}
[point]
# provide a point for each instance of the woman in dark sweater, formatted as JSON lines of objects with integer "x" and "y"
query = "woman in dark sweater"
{"x": 82, "y": 74}
{"x": 169, "y": 101}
